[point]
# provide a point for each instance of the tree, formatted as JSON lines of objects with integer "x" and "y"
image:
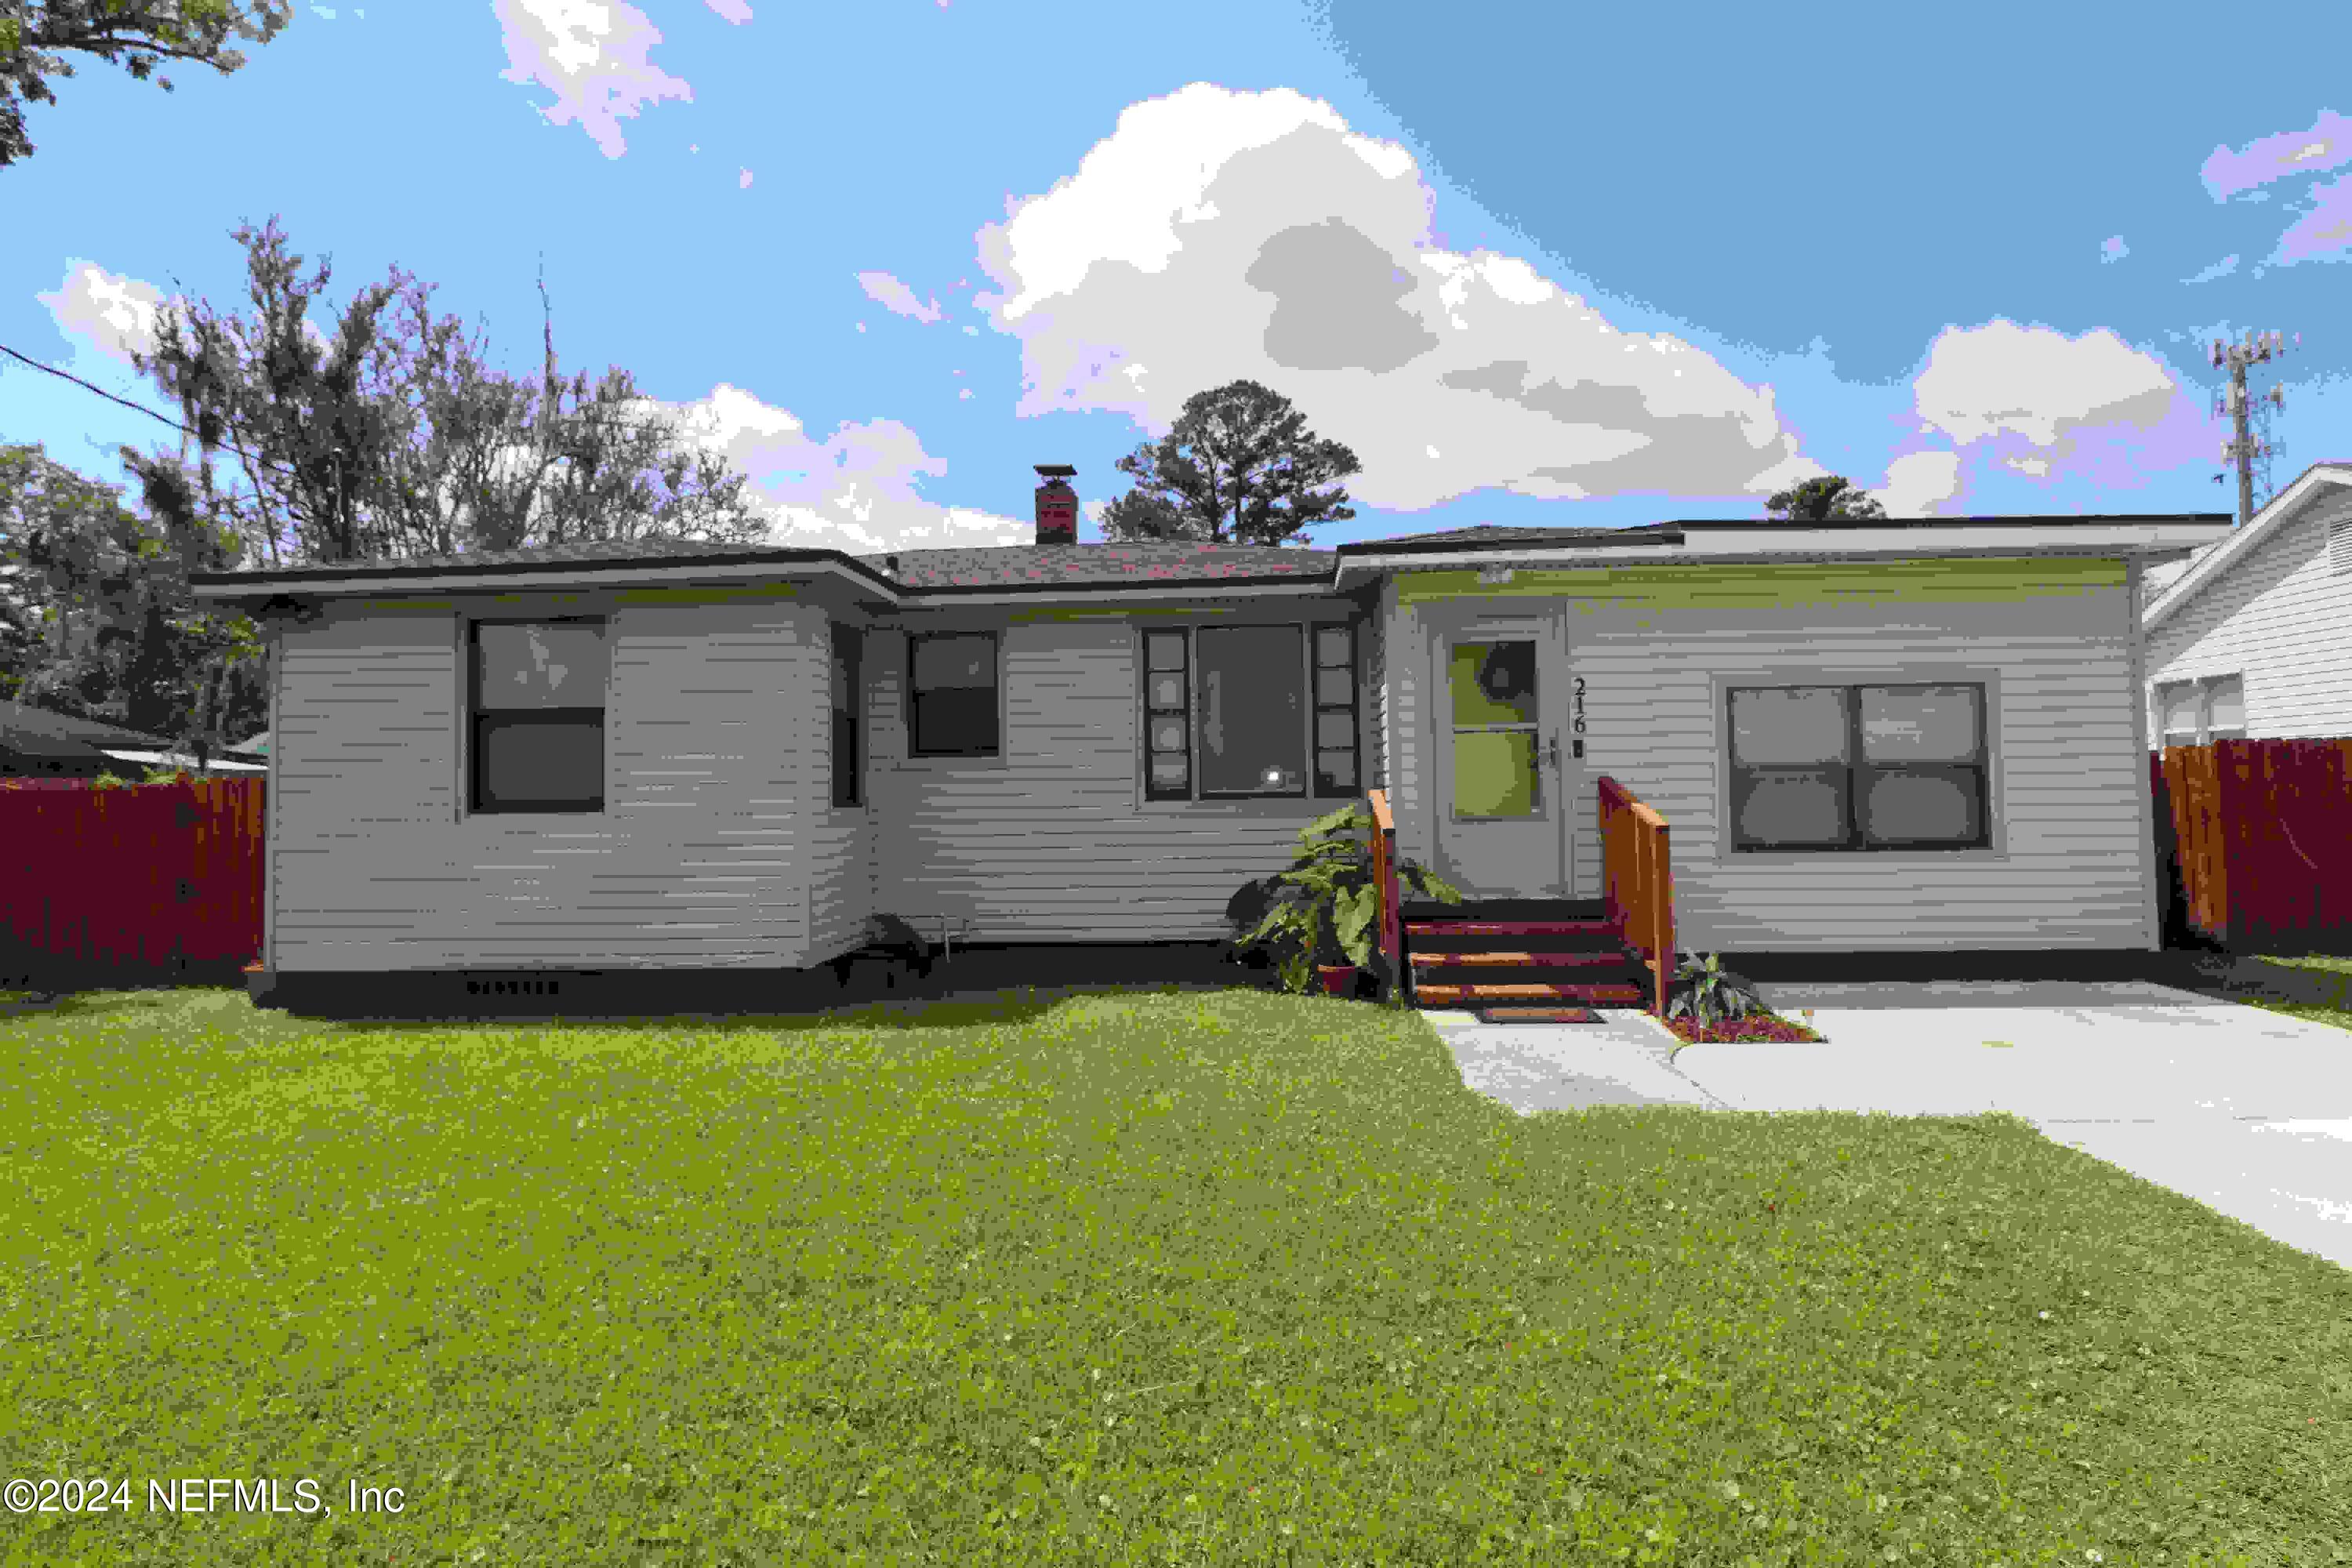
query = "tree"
{"x": 391, "y": 438}
{"x": 139, "y": 33}
{"x": 96, "y": 615}
{"x": 1821, "y": 499}
{"x": 1240, "y": 466}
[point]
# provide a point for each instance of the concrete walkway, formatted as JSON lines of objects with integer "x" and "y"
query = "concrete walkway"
{"x": 2247, "y": 1112}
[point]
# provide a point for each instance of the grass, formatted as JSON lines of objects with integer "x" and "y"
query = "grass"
{"x": 2330, "y": 1001}
{"x": 1222, "y": 1277}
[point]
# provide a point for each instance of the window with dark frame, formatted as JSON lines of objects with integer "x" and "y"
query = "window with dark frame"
{"x": 848, "y": 750}
{"x": 1218, "y": 725}
{"x": 951, "y": 695}
{"x": 1167, "y": 717}
{"x": 536, "y": 714}
{"x": 1834, "y": 768}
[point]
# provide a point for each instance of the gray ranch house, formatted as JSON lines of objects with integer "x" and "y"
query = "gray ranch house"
{"x": 1878, "y": 736}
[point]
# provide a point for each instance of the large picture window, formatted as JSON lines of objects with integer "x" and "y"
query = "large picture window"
{"x": 1239, "y": 712}
{"x": 2200, "y": 712}
{"x": 849, "y": 752}
{"x": 1859, "y": 768}
{"x": 537, "y": 712}
{"x": 952, "y": 695}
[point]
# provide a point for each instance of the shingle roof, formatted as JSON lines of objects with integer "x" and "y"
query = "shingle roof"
{"x": 1000, "y": 568}
{"x": 1095, "y": 565}
{"x": 36, "y": 732}
{"x": 1489, "y": 534}
{"x": 577, "y": 552}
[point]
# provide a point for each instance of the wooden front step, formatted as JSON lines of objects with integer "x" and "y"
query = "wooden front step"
{"x": 1595, "y": 930}
{"x": 1608, "y": 993}
{"x": 1484, "y": 959}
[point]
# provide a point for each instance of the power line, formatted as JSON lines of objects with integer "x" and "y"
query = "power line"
{"x": 669, "y": 426}
{"x": 134, "y": 408}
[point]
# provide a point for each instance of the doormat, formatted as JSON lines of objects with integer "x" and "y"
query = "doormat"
{"x": 1536, "y": 1015}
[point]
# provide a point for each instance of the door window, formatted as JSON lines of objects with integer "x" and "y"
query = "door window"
{"x": 1491, "y": 690}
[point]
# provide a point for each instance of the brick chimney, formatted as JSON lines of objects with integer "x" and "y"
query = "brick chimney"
{"x": 1058, "y": 505}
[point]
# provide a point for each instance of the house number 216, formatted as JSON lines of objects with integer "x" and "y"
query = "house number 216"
{"x": 1579, "y": 725}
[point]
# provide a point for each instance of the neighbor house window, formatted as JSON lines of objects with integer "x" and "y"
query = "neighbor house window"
{"x": 848, "y": 754}
{"x": 1240, "y": 712}
{"x": 2200, "y": 712}
{"x": 538, "y": 715}
{"x": 952, "y": 694}
{"x": 1859, "y": 767}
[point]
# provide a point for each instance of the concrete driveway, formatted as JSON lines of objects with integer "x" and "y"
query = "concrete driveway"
{"x": 2247, "y": 1112}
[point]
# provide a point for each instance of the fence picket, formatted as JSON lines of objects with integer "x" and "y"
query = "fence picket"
{"x": 2260, "y": 832}
{"x": 140, "y": 877}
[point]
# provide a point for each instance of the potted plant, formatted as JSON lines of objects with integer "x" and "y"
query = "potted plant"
{"x": 1705, "y": 993}
{"x": 1706, "y": 1001}
{"x": 1321, "y": 914}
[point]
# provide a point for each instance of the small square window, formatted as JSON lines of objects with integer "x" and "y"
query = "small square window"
{"x": 952, "y": 695}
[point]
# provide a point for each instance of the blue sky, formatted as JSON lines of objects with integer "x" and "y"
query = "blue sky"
{"x": 1585, "y": 266}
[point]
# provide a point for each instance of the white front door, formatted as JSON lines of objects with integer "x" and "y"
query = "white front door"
{"x": 1501, "y": 716}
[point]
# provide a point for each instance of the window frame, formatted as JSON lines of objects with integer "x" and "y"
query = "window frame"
{"x": 1985, "y": 763}
{"x": 2202, "y": 685}
{"x": 847, "y": 648}
{"x": 476, "y": 804}
{"x": 1313, "y": 709}
{"x": 996, "y": 695}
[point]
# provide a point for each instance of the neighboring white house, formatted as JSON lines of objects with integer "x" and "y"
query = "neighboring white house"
{"x": 2253, "y": 638}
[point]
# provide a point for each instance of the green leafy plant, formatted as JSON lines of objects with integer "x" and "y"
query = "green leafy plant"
{"x": 1325, "y": 908}
{"x": 1704, "y": 992}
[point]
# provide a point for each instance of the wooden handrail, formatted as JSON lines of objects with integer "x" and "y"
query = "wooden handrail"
{"x": 1638, "y": 882}
{"x": 1385, "y": 877}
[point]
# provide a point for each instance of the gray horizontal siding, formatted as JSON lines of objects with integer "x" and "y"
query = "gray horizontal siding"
{"x": 1050, "y": 843}
{"x": 2068, "y": 773}
{"x": 2280, "y": 616}
{"x": 698, "y": 859}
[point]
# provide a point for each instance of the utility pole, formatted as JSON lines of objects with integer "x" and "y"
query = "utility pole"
{"x": 2259, "y": 348}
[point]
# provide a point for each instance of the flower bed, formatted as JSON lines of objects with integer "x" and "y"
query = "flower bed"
{"x": 1759, "y": 1027}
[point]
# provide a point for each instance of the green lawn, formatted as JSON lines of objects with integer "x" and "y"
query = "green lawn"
{"x": 1201, "y": 1279}
{"x": 2332, "y": 1008}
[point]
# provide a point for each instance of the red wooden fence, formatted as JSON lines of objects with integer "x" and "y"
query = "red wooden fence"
{"x": 142, "y": 877}
{"x": 2261, "y": 834}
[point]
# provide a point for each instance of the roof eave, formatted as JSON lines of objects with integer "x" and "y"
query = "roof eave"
{"x": 1740, "y": 548}
{"x": 2242, "y": 540}
{"x": 252, "y": 589}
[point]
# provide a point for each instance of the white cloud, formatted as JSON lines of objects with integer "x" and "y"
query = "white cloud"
{"x": 2326, "y": 145}
{"x": 1217, "y": 235}
{"x": 2221, "y": 268}
{"x": 1919, "y": 483}
{"x": 743, "y": 180}
{"x": 2113, "y": 249}
{"x": 859, "y": 489}
{"x": 112, "y": 313}
{"x": 116, "y": 314}
{"x": 2040, "y": 400}
{"x": 590, "y": 54}
{"x": 897, "y": 297}
{"x": 735, "y": 10}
